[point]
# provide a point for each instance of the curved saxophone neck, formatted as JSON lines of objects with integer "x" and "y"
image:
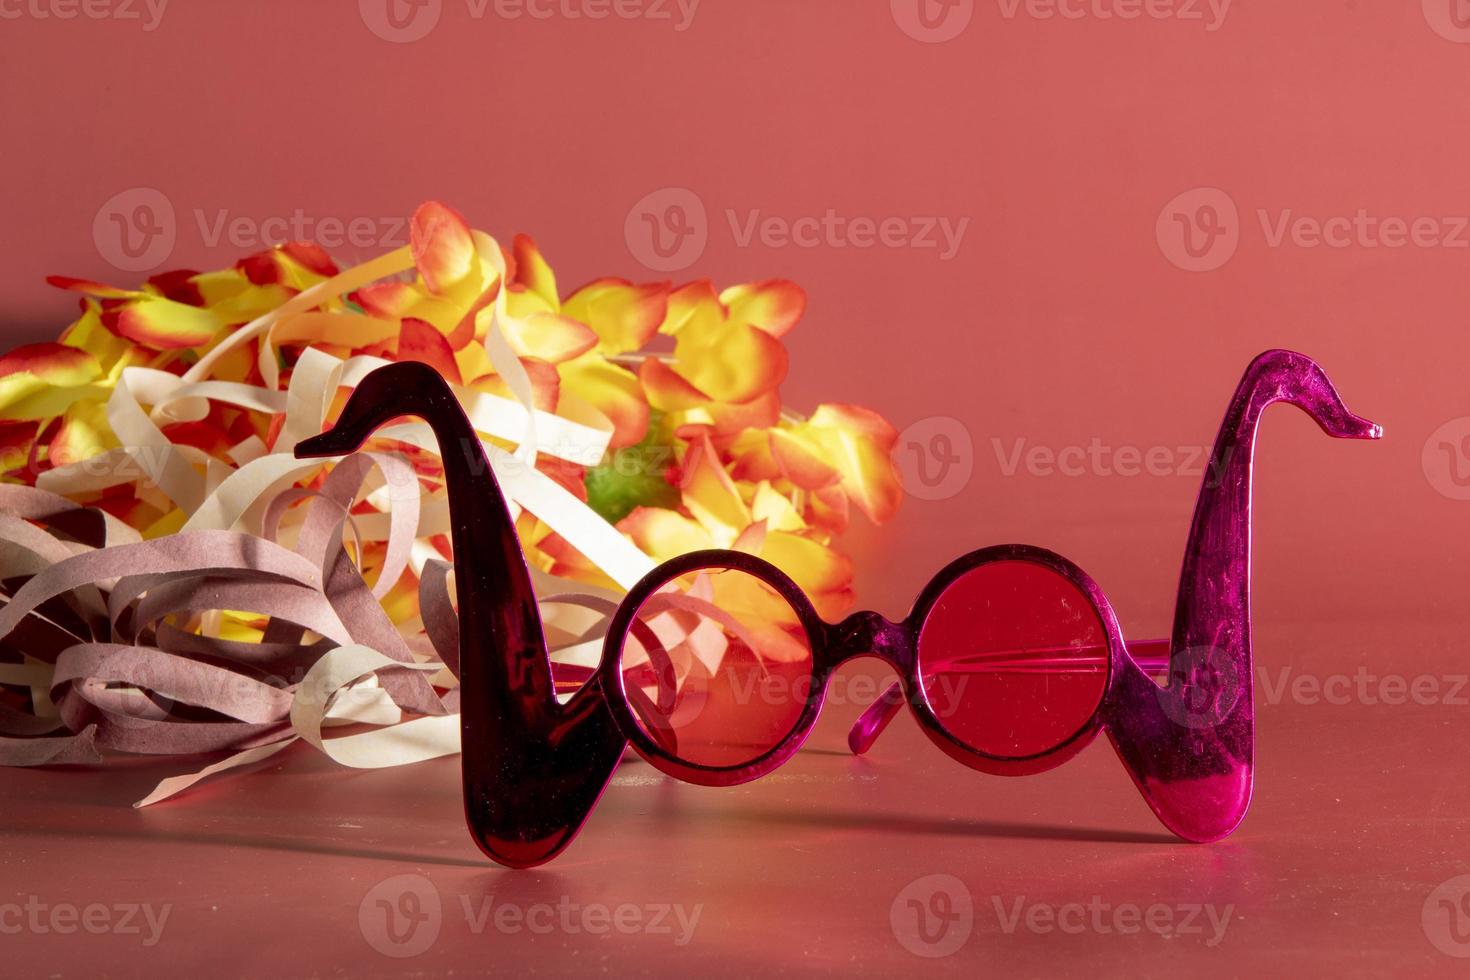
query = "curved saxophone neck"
{"x": 500, "y": 625}
{"x": 1213, "y": 609}
{"x": 532, "y": 768}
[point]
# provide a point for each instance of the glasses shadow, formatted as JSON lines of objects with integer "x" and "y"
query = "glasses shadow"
{"x": 906, "y": 824}
{"x": 173, "y": 835}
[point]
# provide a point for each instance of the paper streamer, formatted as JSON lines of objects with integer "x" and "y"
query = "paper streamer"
{"x": 252, "y": 627}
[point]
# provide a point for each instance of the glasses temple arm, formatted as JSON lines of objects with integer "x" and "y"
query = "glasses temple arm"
{"x": 532, "y": 767}
{"x": 1190, "y": 746}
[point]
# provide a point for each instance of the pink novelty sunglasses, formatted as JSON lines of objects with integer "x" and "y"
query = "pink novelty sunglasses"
{"x": 715, "y": 666}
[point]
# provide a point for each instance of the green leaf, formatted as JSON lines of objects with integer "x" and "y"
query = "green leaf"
{"x": 637, "y": 476}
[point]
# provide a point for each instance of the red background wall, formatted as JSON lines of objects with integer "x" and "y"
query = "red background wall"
{"x": 1060, "y": 320}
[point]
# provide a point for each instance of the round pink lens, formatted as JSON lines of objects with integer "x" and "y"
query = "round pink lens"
{"x": 1013, "y": 658}
{"x": 717, "y": 668}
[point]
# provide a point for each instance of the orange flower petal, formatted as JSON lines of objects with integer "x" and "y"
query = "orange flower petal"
{"x": 858, "y": 420}
{"x": 711, "y": 496}
{"x": 774, "y": 305}
{"x": 624, "y": 316}
{"x": 310, "y": 256}
{"x": 735, "y": 363}
{"x": 772, "y": 622}
{"x": 731, "y": 418}
{"x": 667, "y": 391}
{"x": 16, "y": 440}
{"x": 549, "y": 336}
{"x": 751, "y": 458}
{"x": 203, "y": 434}
{"x": 533, "y": 272}
{"x": 295, "y": 265}
{"x": 162, "y": 324}
{"x": 420, "y": 341}
{"x": 51, "y": 363}
{"x": 693, "y": 305}
{"x": 38, "y": 367}
{"x": 775, "y": 510}
{"x": 177, "y": 285}
{"x": 829, "y": 508}
{"x": 388, "y": 299}
{"x": 571, "y": 476}
{"x": 443, "y": 249}
{"x": 802, "y": 459}
{"x": 664, "y": 534}
{"x": 859, "y": 444}
{"x": 89, "y": 287}
{"x": 823, "y": 574}
{"x": 465, "y": 331}
{"x": 84, "y": 433}
{"x": 545, "y": 384}
{"x": 569, "y": 563}
{"x": 613, "y": 391}
{"x": 88, "y": 334}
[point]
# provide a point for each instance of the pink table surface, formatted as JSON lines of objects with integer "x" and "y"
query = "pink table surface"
{"x": 1359, "y": 821}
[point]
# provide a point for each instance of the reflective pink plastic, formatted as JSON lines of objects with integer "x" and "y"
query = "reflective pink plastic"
{"x": 534, "y": 768}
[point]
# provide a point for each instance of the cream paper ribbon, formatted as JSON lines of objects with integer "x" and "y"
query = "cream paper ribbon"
{"x": 343, "y": 686}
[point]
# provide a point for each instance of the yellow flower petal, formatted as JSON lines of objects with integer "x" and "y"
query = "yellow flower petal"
{"x": 664, "y": 534}
{"x": 549, "y": 336}
{"x": 163, "y": 324}
{"x": 612, "y": 390}
{"x": 858, "y": 443}
{"x": 667, "y": 391}
{"x": 823, "y": 574}
{"x": 803, "y": 458}
{"x": 624, "y": 316}
{"x": 775, "y": 509}
{"x": 711, "y": 496}
{"x": 84, "y": 433}
{"x": 694, "y": 306}
{"x": 733, "y": 362}
{"x": 774, "y": 306}
{"x": 34, "y": 368}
